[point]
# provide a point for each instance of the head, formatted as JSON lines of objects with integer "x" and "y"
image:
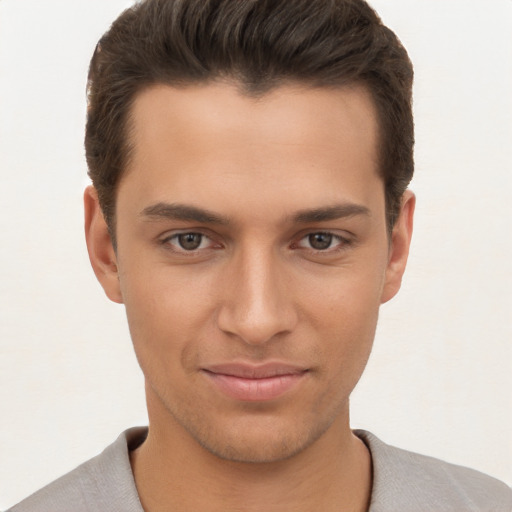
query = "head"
{"x": 251, "y": 160}
{"x": 260, "y": 46}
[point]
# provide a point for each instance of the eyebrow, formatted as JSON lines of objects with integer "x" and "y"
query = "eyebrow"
{"x": 330, "y": 213}
{"x": 187, "y": 213}
{"x": 167, "y": 211}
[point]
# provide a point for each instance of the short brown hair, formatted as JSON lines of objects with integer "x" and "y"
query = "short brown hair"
{"x": 260, "y": 44}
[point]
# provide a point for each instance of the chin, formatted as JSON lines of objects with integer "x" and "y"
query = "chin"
{"x": 260, "y": 453}
{"x": 256, "y": 433}
{"x": 267, "y": 443}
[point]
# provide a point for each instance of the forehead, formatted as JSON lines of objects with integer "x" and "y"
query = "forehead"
{"x": 215, "y": 141}
{"x": 290, "y": 114}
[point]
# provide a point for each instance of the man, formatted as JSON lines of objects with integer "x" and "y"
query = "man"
{"x": 249, "y": 207}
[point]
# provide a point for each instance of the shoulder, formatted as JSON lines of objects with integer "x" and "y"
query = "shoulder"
{"x": 105, "y": 482}
{"x": 412, "y": 482}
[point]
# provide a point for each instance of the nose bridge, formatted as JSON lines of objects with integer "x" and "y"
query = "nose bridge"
{"x": 256, "y": 306}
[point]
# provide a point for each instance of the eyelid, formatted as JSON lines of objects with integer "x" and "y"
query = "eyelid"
{"x": 165, "y": 240}
{"x": 343, "y": 241}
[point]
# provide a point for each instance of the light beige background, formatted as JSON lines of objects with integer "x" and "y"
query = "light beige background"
{"x": 440, "y": 378}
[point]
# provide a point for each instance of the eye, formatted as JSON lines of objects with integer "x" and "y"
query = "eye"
{"x": 188, "y": 241}
{"x": 322, "y": 241}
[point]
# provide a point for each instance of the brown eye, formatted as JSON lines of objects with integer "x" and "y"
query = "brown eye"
{"x": 320, "y": 241}
{"x": 190, "y": 241}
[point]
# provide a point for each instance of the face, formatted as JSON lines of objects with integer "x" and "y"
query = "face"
{"x": 252, "y": 258}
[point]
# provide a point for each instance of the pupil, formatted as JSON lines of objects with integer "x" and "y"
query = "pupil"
{"x": 190, "y": 241}
{"x": 320, "y": 241}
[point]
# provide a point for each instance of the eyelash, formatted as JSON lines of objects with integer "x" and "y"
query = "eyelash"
{"x": 341, "y": 243}
{"x": 181, "y": 250}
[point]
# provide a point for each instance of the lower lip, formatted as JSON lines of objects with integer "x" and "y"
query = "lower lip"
{"x": 255, "y": 390}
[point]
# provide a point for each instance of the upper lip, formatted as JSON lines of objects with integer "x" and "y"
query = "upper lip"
{"x": 252, "y": 371}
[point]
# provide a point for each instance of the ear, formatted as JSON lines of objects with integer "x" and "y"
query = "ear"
{"x": 99, "y": 245}
{"x": 399, "y": 247}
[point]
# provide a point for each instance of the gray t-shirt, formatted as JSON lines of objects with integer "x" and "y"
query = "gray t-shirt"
{"x": 402, "y": 482}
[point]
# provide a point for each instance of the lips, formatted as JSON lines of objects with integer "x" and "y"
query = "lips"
{"x": 253, "y": 383}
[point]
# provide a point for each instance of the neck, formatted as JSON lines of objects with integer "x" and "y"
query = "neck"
{"x": 173, "y": 472}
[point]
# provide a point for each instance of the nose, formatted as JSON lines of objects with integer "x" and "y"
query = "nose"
{"x": 257, "y": 302}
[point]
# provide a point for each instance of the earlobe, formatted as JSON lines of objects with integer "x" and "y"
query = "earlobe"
{"x": 399, "y": 247}
{"x": 99, "y": 246}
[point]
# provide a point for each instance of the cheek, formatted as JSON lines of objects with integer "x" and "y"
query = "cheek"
{"x": 343, "y": 313}
{"x": 166, "y": 314}
{"x": 346, "y": 298}
{"x": 344, "y": 349}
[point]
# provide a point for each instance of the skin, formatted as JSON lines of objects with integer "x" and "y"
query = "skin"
{"x": 292, "y": 263}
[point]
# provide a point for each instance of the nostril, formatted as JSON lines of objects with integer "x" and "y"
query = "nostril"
{"x": 256, "y": 326}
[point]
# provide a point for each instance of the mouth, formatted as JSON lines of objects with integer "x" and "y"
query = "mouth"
{"x": 255, "y": 383}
